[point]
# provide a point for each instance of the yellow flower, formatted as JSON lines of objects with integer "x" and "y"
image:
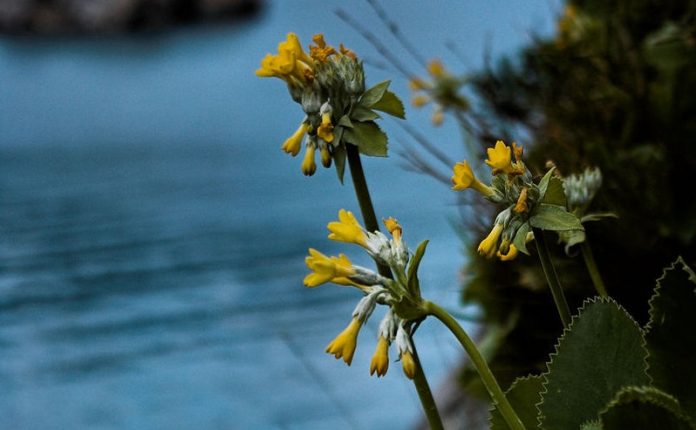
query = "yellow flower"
{"x": 292, "y": 44}
{"x": 325, "y": 129}
{"x": 347, "y": 52}
{"x": 393, "y": 226}
{"x": 308, "y": 164}
{"x": 499, "y": 158}
{"x": 511, "y": 254}
{"x": 436, "y": 69}
{"x": 325, "y": 155}
{"x": 420, "y": 100}
{"x": 409, "y": 364}
{"x": 343, "y": 346}
{"x": 521, "y": 205}
{"x": 416, "y": 84}
{"x": 347, "y": 229}
{"x": 291, "y": 64}
{"x": 293, "y": 144}
{"x": 488, "y": 246}
{"x": 464, "y": 178}
{"x": 327, "y": 269}
{"x": 380, "y": 359}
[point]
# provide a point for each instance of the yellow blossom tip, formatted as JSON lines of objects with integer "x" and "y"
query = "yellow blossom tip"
{"x": 392, "y": 226}
{"x": 327, "y": 269}
{"x": 438, "y": 116}
{"x": 347, "y": 229}
{"x": 293, "y": 144}
{"x": 489, "y": 245}
{"x": 511, "y": 254}
{"x": 309, "y": 166}
{"x": 416, "y": 84}
{"x": 325, "y": 130}
{"x": 420, "y": 100}
{"x": 436, "y": 69}
{"x": 521, "y": 205}
{"x": 499, "y": 158}
{"x": 343, "y": 346}
{"x": 463, "y": 178}
{"x": 380, "y": 359}
{"x": 408, "y": 364}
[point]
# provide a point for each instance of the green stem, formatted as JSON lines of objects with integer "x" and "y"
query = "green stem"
{"x": 588, "y": 256}
{"x": 552, "y": 277}
{"x": 368, "y": 213}
{"x": 491, "y": 384}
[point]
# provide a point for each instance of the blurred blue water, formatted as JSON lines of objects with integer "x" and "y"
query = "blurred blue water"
{"x": 152, "y": 234}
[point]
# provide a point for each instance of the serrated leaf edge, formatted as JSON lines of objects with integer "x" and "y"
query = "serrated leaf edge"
{"x": 514, "y": 383}
{"x": 587, "y": 302}
{"x": 645, "y": 388}
{"x": 658, "y": 287}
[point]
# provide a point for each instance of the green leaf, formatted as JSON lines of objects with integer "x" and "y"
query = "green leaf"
{"x": 523, "y": 395}
{"x": 390, "y": 104}
{"x": 544, "y": 183}
{"x": 345, "y": 121}
{"x": 555, "y": 194}
{"x": 601, "y": 351}
{"x": 413, "y": 283}
{"x": 597, "y": 216}
{"x": 644, "y": 408}
{"x": 373, "y": 95}
{"x": 363, "y": 114}
{"x": 555, "y": 218}
{"x": 571, "y": 238}
{"x": 520, "y": 240}
{"x": 671, "y": 335}
{"x": 368, "y": 137}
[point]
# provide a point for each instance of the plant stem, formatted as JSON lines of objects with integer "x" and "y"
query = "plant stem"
{"x": 491, "y": 384}
{"x": 368, "y": 213}
{"x": 588, "y": 256}
{"x": 552, "y": 277}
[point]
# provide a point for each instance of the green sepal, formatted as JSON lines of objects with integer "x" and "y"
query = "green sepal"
{"x": 644, "y": 408}
{"x": 601, "y": 351}
{"x": 523, "y": 395}
{"x": 670, "y": 335}
{"x": 371, "y": 96}
{"x": 345, "y": 122}
{"x": 363, "y": 114}
{"x": 412, "y": 275}
{"x": 391, "y": 104}
{"x": 368, "y": 137}
{"x": 520, "y": 240}
{"x": 544, "y": 182}
{"x": 554, "y": 218}
{"x": 555, "y": 194}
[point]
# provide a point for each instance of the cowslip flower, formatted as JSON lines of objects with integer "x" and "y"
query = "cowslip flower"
{"x": 463, "y": 177}
{"x": 347, "y": 229}
{"x": 343, "y": 346}
{"x": 499, "y": 158}
{"x": 293, "y": 144}
{"x": 442, "y": 89}
{"x": 405, "y": 348}
{"x": 327, "y": 269}
{"x": 489, "y": 245}
{"x": 380, "y": 359}
{"x": 510, "y": 255}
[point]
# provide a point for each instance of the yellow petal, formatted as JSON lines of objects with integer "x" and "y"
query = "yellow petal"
{"x": 343, "y": 346}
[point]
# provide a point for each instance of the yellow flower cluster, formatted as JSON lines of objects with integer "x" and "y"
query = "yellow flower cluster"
{"x": 442, "y": 90}
{"x": 377, "y": 289}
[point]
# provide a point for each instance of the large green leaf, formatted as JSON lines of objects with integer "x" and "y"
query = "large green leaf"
{"x": 555, "y": 194}
{"x": 520, "y": 240}
{"x": 671, "y": 335}
{"x": 390, "y": 104}
{"x": 602, "y": 351}
{"x": 555, "y": 218}
{"x": 368, "y": 137}
{"x": 363, "y": 114}
{"x": 523, "y": 395}
{"x": 544, "y": 182}
{"x": 373, "y": 95}
{"x": 644, "y": 408}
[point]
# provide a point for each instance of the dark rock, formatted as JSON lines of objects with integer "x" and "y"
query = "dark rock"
{"x": 109, "y": 16}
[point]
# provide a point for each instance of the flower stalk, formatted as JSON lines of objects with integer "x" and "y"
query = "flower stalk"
{"x": 597, "y": 281}
{"x": 370, "y": 219}
{"x": 489, "y": 381}
{"x": 552, "y": 277}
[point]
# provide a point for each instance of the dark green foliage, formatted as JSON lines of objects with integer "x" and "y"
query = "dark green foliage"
{"x": 523, "y": 395}
{"x": 671, "y": 335}
{"x": 644, "y": 408}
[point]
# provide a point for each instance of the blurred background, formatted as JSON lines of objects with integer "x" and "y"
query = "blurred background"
{"x": 152, "y": 233}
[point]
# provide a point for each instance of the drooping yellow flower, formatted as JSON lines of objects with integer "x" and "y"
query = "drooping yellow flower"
{"x": 408, "y": 364}
{"x": 293, "y": 144}
{"x": 488, "y": 246}
{"x": 343, "y": 346}
{"x": 521, "y": 205}
{"x": 347, "y": 229}
{"x": 380, "y": 359}
{"x": 309, "y": 166}
{"x": 327, "y": 269}
{"x": 464, "y": 178}
{"x": 325, "y": 155}
{"x": 499, "y": 158}
{"x": 511, "y": 254}
{"x": 420, "y": 100}
{"x": 325, "y": 129}
{"x": 436, "y": 69}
